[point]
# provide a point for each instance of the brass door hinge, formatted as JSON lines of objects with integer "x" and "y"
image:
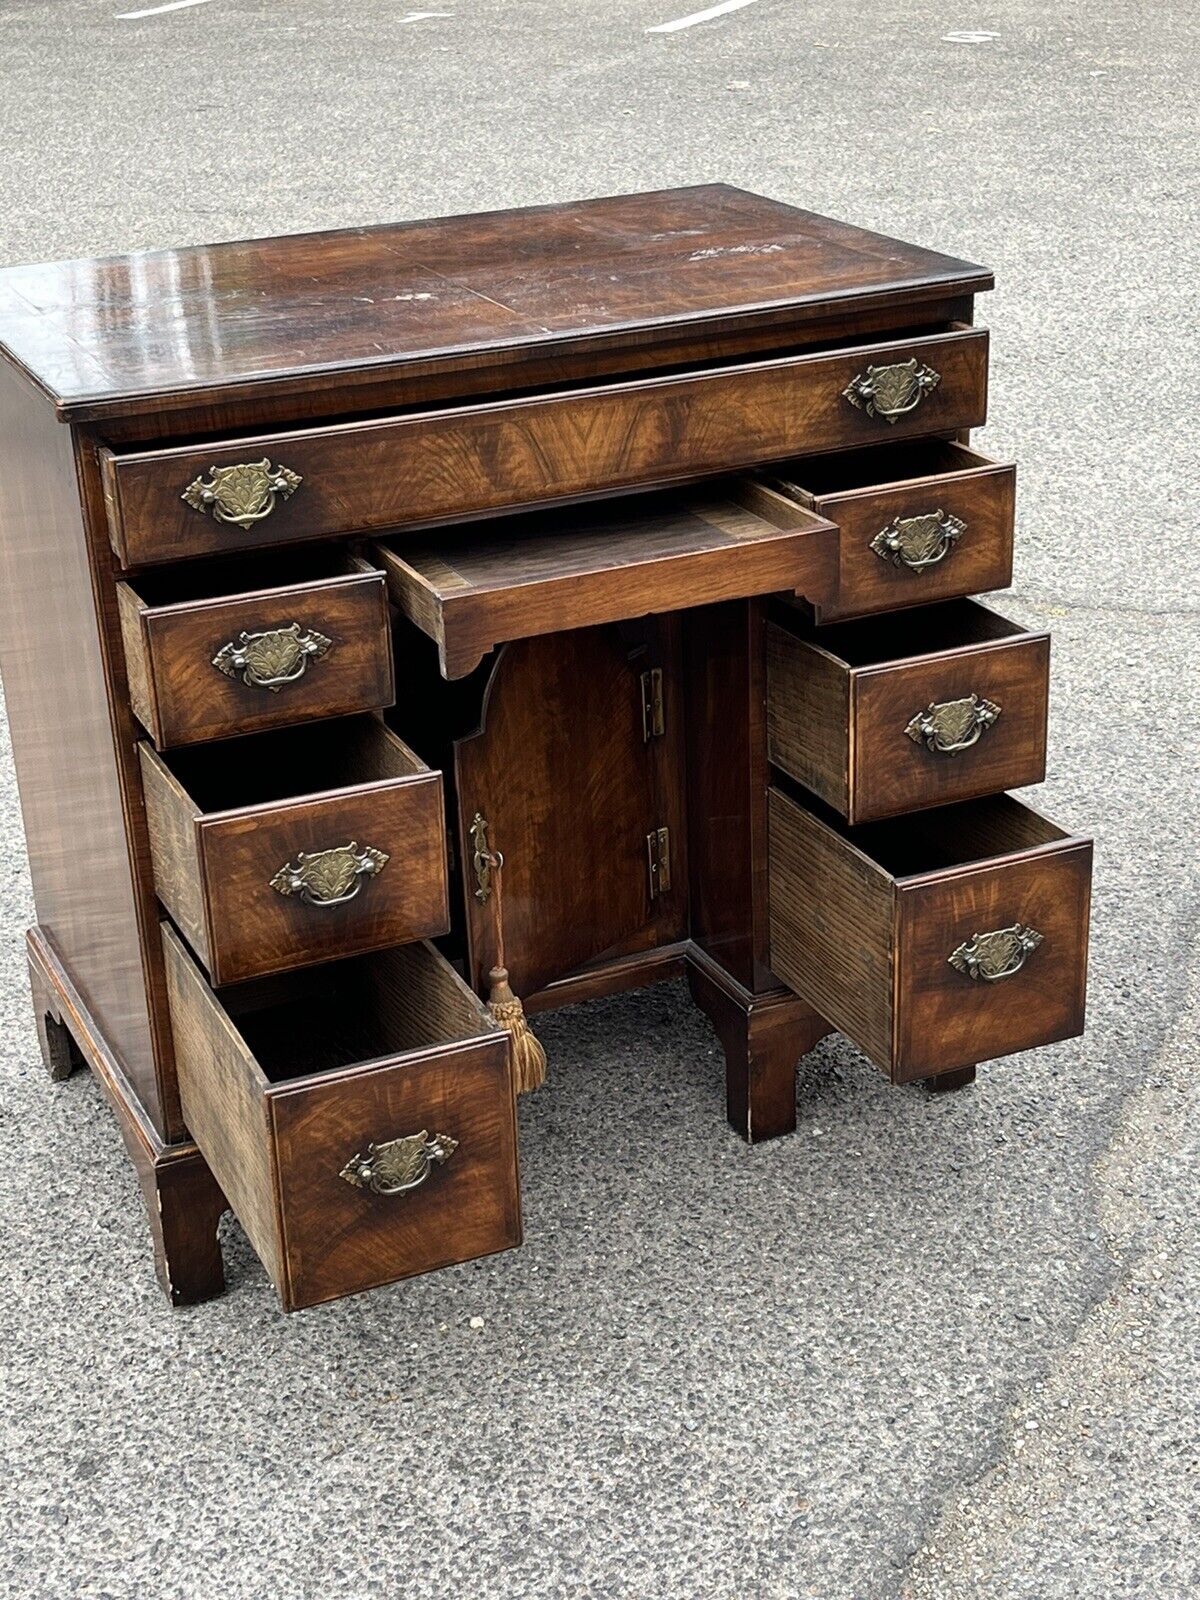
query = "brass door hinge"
{"x": 653, "y": 722}
{"x": 658, "y": 857}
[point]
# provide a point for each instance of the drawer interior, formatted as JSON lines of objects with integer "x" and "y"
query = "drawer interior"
{"x": 878, "y": 466}
{"x": 951, "y": 836}
{"x": 395, "y": 1002}
{"x": 923, "y": 630}
{"x": 217, "y": 578}
{"x": 265, "y": 768}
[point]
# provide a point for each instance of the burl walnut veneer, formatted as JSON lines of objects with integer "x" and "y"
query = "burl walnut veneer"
{"x": 629, "y": 540}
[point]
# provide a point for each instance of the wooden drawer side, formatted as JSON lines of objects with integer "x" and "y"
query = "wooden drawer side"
{"x": 831, "y": 918}
{"x": 808, "y": 713}
{"x": 221, "y": 1090}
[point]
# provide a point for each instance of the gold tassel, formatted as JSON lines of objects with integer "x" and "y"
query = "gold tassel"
{"x": 528, "y": 1057}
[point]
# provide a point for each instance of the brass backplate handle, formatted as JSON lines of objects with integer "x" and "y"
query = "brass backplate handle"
{"x": 243, "y": 494}
{"x": 999, "y": 954}
{"x": 918, "y": 543}
{"x": 891, "y": 392}
{"x": 953, "y": 726}
{"x": 273, "y": 659}
{"x": 329, "y": 877}
{"x": 399, "y": 1165}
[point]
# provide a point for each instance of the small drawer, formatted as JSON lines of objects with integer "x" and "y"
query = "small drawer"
{"x": 924, "y": 521}
{"x": 359, "y": 1121}
{"x": 291, "y": 848}
{"x": 214, "y": 649}
{"x": 895, "y": 713}
{"x": 934, "y": 941}
{"x": 437, "y": 466}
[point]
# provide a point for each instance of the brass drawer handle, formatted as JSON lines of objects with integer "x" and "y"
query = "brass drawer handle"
{"x": 891, "y": 392}
{"x": 918, "y": 543}
{"x": 400, "y": 1165}
{"x": 272, "y": 659}
{"x": 329, "y": 877}
{"x": 996, "y": 955}
{"x": 953, "y": 725}
{"x": 243, "y": 494}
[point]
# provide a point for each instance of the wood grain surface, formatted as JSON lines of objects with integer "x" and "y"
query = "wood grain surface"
{"x": 865, "y": 491}
{"x": 364, "y": 476}
{"x": 282, "y": 317}
{"x": 474, "y": 587}
{"x": 388, "y": 1046}
{"x": 180, "y": 696}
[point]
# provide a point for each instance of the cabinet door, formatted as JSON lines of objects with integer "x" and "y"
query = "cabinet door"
{"x": 571, "y": 788}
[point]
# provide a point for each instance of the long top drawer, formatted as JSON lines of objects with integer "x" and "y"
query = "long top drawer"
{"x": 424, "y": 467}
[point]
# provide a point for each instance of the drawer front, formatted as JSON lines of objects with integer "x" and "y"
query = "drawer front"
{"x": 329, "y": 1215}
{"x": 878, "y": 740}
{"x": 920, "y": 734}
{"x": 340, "y": 1238}
{"x": 168, "y": 504}
{"x": 908, "y": 545}
{"x": 261, "y": 919}
{"x": 251, "y": 662}
{"x": 946, "y": 1018}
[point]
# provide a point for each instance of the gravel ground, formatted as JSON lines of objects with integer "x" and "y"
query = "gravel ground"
{"x": 932, "y": 1348}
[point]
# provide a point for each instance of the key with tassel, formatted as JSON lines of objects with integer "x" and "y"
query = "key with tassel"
{"x": 528, "y": 1056}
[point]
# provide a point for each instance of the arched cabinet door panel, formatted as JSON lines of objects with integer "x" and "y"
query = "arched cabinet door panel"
{"x": 572, "y": 780}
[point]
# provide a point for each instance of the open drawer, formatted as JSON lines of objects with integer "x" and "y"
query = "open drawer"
{"x": 359, "y": 1121}
{"x": 216, "y": 648}
{"x": 921, "y": 521}
{"x": 285, "y": 849}
{"x": 893, "y": 713}
{"x": 934, "y": 941}
{"x": 474, "y": 587}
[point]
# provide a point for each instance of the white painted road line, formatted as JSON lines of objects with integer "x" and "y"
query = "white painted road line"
{"x": 420, "y": 16}
{"x": 153, "y": 11}
{"x": 700, "y": 16}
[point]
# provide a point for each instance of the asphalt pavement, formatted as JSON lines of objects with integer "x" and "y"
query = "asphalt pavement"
{"x": 925, "y": 1349}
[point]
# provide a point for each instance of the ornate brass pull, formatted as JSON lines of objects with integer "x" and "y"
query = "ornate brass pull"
{"x": 996, "y": 955}
{"x": 329, "y": 877}
{"x": 890, "y": 392}
{"x": 400, "y": 1165}
{"x": 272, "y": 659}
{"x": 954, "y": 725}
{"x": 243, "y": 494}
{"x": 918, "y": 543}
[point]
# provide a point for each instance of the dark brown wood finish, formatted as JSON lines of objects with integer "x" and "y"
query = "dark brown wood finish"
{"x": 603, "y": 676}
{"x": 840, "y": 701}
{"x": 226, "y": 819}
{"x": 866, "y": 491}
{"x": 361, "y": 477}
{"x": 571, "y": 789}
{"x": 283, "y": 1095}
{"x": 864, "y": 921}
{"x": 277, "y": 319}
{"x": 181, "y": 629}
{"x": 56, "y": 689}
{"x": 472, "y": 588}
{"x": 763, "y": 1036}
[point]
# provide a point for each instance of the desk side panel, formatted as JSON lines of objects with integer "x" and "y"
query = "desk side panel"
{"x": 62, "y": 737}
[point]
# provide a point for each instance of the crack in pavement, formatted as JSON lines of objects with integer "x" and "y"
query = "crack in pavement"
{"x": 1074, "y": 1493}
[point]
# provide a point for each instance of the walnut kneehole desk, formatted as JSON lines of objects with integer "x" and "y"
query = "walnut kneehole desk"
{"x": 336, "y": 565}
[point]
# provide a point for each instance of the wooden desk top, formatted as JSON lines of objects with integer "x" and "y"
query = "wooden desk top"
{"x": 550, "y": 283}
